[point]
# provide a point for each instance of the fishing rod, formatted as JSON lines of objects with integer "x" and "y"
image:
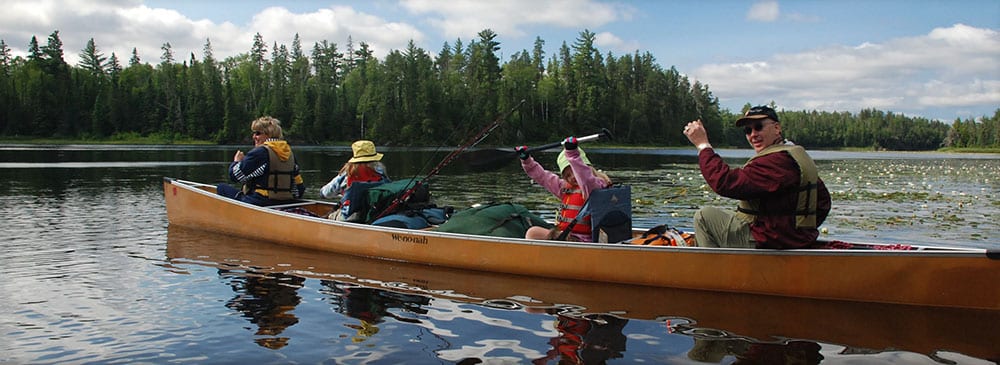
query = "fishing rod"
{"x": 470, "y": 142}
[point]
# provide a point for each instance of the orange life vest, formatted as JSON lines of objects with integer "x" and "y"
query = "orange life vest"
{"x": 570, "y": 340}
{"x": 572, "y": 202}
{"x": 662, "y": 235}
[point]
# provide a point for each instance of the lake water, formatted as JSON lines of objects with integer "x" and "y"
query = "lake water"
{"x": 92, "y": 273}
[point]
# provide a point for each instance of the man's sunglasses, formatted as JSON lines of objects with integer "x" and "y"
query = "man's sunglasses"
{"x": 257, "y": 133}
{"x": 756, "y": 127}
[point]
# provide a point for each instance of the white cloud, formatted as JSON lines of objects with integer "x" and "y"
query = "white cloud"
{"x": 147, "y": 29}
{"x": 608, "y": 40}
{"x": 466, "y": 18}
{"x": 973, "y": 92}
{"x": 764, "y": 11}
{"x": 118, "y": 26}
{"x": 335, "y": 25}
{"x": 948, "y": 67}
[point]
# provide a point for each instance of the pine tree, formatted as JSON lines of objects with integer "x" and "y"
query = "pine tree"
{"x": 135, "y": 58}
{"x": 92, "y": 60}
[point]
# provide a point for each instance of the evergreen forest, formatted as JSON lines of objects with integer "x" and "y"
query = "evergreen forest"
{"x": 333, "y": 94}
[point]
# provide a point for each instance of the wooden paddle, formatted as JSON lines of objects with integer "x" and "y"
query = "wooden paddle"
{"x": 494, "y": 158}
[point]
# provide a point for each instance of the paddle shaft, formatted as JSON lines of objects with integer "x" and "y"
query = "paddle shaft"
{"x": 592, "y": 137}
{"x": 489, "y": 158}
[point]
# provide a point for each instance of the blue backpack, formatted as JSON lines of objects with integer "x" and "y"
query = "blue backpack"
{"x": 354, "y": 203}
{"x": 415, "y": 219}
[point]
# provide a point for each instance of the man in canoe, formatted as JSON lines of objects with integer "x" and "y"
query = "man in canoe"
{"x": 782, "y": 199}
{"x": 268, "y": 172}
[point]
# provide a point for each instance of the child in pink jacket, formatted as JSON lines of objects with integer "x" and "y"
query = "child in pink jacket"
{"x": 578, "y": 178}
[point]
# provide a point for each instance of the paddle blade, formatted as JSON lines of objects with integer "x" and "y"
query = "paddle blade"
{"x": 606, "y": 134}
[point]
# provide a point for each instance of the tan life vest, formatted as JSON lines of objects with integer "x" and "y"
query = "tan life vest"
{"x": 280, "y": 177}
{"x": 806, "y": 201}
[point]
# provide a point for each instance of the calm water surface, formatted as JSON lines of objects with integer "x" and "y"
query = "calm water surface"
{"x": 93, "y": 274}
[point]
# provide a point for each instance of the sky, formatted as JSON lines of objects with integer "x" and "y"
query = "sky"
{"x": 922, "y": 58}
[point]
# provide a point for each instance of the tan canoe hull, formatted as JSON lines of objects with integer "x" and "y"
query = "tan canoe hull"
{"x": 946, "y": 278}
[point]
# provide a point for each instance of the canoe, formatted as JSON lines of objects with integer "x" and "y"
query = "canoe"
{"x": 924, "y": 275}
{"x": 857, "y": 325}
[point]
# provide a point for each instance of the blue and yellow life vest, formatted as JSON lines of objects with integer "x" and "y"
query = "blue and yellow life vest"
{"x": 280, "y": 177}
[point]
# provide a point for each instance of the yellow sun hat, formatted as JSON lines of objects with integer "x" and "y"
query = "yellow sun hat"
{"x": 364, "y": 151}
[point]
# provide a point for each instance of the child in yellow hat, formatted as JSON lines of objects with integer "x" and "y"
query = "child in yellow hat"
{"x": 364, "y": 166}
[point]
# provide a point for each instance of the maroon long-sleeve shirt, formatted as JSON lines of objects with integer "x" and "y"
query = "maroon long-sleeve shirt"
{"x": 774, "y": 180}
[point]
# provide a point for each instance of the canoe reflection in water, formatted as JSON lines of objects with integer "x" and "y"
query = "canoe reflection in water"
{"x": 371, "y": 305}
{"x": 374, "y": 292}
{"x": 589, "y": 339}
{"x": 267, "y": 300}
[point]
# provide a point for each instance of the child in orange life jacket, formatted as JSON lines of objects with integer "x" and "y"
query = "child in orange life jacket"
{"x": 364, "y": 166}
{"x": 573, "y": 188}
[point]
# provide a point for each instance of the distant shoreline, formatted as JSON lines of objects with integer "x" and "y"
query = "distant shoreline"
{"x": 192, "y": 142}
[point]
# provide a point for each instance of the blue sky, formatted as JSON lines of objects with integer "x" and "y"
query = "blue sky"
{"x": 935, "y": 59}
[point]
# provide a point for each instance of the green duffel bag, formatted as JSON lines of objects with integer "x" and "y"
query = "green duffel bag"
{"x": 500, "y": 220}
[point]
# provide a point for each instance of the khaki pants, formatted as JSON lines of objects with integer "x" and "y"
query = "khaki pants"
{"x": 714, "y": 227}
